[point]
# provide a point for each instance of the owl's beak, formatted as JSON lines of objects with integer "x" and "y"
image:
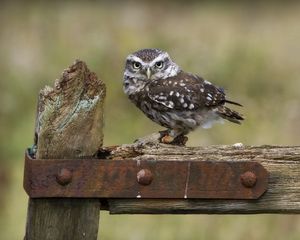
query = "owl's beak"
{"x": 148, "y": 72}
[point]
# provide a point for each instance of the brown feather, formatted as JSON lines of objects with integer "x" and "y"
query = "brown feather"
{"x": 229, "y": 114}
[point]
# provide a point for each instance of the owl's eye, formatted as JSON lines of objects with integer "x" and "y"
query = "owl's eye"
{"x": 136, "y": 65}
{"x": 159, "y": 64}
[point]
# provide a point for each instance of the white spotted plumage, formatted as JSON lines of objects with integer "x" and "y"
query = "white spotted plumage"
{"x": 171, "y": 97}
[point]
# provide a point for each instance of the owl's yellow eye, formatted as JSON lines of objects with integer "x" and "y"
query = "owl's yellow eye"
{"x": 159, "y": 64}
{"x": 136, "y": 65}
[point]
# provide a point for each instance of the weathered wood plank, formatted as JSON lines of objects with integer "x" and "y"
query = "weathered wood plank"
{"x": 69, "y": 125}
{"x": 282, "y": 163}
{"x": 62, "y": 219}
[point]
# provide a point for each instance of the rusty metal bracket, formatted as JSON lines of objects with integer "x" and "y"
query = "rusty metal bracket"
{"x": 104, "y": 178}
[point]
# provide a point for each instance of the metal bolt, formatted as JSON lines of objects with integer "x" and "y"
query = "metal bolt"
{"x": 64, "y": 176}
{"x": 248, "y": 179}
{"x": 144, "y": 177}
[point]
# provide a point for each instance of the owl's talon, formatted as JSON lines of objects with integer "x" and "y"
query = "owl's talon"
{"x": 180, "y": 140}
{"x": 167, "y": 139}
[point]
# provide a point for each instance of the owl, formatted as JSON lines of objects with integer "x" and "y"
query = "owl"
{"x": 173, "y": 98}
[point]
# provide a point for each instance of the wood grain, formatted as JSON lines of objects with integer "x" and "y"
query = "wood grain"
{"x": 69, "y": 125}
{"x": 282, "y": 163}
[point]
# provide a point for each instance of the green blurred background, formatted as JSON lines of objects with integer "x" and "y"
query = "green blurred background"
{"x": 252, "y": 50}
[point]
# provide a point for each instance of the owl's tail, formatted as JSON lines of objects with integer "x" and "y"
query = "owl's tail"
{"x": 234, "y": 103}
{"x": 229, "y": 114}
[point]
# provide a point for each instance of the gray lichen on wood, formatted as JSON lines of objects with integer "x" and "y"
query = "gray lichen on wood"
{"x": 282, "y": 163}
{"x": 69, "y": 125}
{"x": 71, "y": 114}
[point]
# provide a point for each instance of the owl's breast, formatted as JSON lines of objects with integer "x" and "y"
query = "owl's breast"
{"x": 132, "y": 86}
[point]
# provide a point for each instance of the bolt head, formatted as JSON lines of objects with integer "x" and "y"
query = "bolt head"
{"x": 64, "y": 176}
{"x": 248, "y": 179}
{"x": 144, "y": 177}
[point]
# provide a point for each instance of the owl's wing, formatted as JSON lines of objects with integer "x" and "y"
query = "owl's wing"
{"x": 185, "y": 92}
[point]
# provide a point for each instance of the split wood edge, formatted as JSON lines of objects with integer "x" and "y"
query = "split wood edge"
{"x": 69, "y": 124}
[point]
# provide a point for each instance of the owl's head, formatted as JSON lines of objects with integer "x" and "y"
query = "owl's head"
{"x": 150, "y": 64}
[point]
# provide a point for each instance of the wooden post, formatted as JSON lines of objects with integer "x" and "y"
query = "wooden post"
{"x": 69, "y": 125}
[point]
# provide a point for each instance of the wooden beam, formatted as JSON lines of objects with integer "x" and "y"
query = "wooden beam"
{"x": 69, "y": 125}
{"x": 282, "y": 163}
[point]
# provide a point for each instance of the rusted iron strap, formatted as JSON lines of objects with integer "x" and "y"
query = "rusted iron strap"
{"x": 102, "y": 178}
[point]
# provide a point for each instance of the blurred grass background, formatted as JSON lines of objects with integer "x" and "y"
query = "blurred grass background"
{"x": 250, "y": 49}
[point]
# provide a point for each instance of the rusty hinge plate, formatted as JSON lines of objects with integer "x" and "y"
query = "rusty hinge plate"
{"x": 103, "y": 178}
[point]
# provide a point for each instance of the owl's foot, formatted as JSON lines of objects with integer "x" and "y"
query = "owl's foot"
{"x": 180, "y": 140}
{"x": 167, "y": 139}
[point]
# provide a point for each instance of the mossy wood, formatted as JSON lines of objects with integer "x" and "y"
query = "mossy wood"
{"x": 68, "y": 125}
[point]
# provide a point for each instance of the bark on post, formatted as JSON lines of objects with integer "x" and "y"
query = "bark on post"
{"x": 69, "y": 125}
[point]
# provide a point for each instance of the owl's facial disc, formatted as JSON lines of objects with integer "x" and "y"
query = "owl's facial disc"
{"x": 150, "y": 64}
{"x": 163, "y": 67}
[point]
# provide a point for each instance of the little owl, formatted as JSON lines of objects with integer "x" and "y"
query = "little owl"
{"x": 175, "y": 99}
